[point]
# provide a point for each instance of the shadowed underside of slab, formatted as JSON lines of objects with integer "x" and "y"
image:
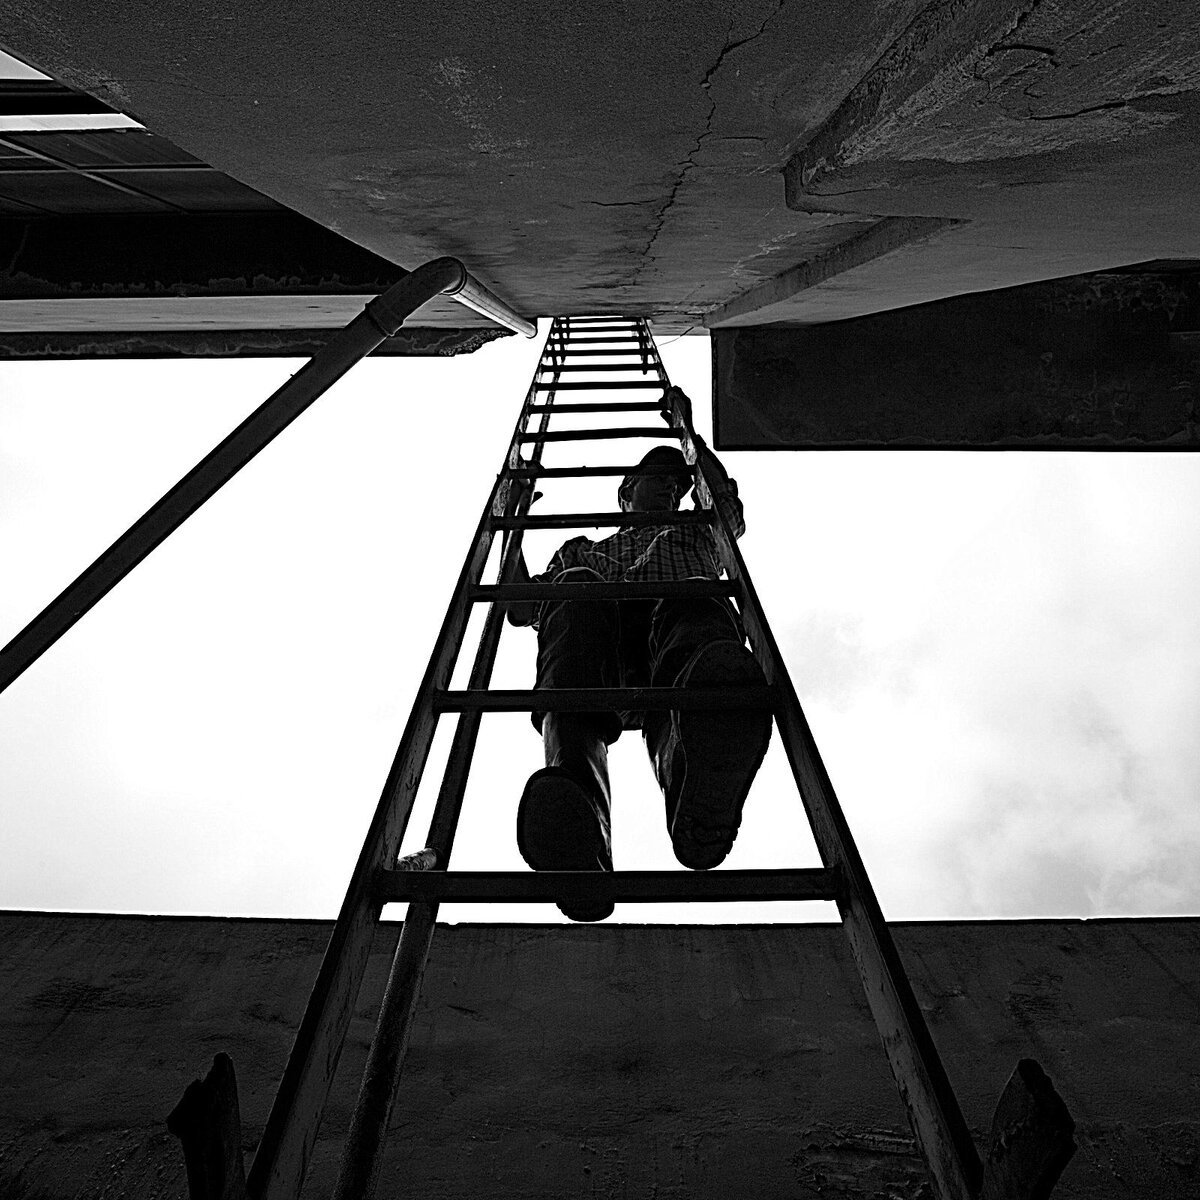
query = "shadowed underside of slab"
{"x": 1106, "y": 361}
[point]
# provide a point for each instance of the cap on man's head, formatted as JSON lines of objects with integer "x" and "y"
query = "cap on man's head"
{"x": 662, "y": 459}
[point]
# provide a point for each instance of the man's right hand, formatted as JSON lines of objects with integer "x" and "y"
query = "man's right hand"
{"x": 675, "y": 400}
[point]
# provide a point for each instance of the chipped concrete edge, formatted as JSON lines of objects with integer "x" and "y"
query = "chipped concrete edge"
{"x": 945, "y": 32}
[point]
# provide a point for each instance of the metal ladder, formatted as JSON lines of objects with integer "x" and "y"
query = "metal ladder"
{"x": 1030, "y": 1116}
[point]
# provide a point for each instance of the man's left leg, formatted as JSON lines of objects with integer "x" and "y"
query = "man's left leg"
{"x": 704, "y": 761}
{"x": 563, "y": 814}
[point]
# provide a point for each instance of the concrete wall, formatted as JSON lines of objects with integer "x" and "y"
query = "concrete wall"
{"x": 632, "y": 1061}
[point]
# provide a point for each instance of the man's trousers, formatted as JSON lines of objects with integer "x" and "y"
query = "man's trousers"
{"x": 620, "y": 643}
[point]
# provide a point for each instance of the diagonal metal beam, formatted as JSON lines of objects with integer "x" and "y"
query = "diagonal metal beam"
{"x": 381, "y": 318}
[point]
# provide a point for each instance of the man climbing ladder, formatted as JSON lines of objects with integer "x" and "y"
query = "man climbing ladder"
{"x": 704, "y": 761}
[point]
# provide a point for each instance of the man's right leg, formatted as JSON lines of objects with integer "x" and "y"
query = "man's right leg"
{"x": 563, "y": 817}
{"x": 705, "y": 761}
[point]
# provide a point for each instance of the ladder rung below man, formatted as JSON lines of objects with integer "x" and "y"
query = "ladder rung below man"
{"x": 622, "y": 887}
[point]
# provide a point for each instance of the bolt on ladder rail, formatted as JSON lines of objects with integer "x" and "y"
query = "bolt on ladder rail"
{"x": 1032, "y": 1128}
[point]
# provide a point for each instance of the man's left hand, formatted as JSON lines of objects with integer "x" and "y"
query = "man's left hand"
{"x": 519, "y": 489}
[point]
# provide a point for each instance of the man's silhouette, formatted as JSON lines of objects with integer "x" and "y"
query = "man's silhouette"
{"x": 704, "y": 761}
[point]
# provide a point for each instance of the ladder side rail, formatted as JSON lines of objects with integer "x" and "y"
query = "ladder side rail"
{"x": 916, "y": 1065}
{"x": 362, "y": 1154}
{"x": 558, "y": 358}
{"x": 291, "y": 1130}
{"x": 366, "y": 1139}
{"x": 556, "y": 344}
{"x": 652, "y": 358}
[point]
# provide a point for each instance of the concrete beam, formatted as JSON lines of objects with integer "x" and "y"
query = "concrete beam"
{"x": 1102, "y": 361}
{"x": 876, "y": 241}
{"x": 244, "y": 284}
{"x": 167, "y": 255}
{"x": 233, "y": 343}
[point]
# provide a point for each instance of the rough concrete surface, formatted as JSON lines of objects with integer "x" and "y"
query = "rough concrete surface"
{"x": 624, "y": 156}
{"x": 637, "y": 1061}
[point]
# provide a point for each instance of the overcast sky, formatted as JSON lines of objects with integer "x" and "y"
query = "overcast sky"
{"x": 999, "y": 653}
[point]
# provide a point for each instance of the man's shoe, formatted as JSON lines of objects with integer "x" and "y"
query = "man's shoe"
{"x": 713, "y": 758}
{"x": 558, "y": 830}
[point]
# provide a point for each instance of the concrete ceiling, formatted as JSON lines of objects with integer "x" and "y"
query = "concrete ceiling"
{"x": 633, "y": 157}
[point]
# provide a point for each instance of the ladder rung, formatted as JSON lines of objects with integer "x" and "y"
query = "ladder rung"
{"x": 591, "y": 385}
{"x": 626, "y": 887}
{"x": 592, "y": 520}
{"x": 603, "y": 699}
{"x": 637, "y": 366}
{"x": 602, "y": 340}
{"x": 674, "y": 589}
{"x": 540, "y": 472}
{"x": 584, "y": 435}
{"x": 578, "y": 330}
{"x": 593, "y": 354}
{"x": 627, "y": 406}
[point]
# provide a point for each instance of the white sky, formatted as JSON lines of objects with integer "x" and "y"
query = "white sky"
{"x": 999, "y": 653}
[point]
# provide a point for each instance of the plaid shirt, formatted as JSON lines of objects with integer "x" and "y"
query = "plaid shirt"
{"x": 651, "y": 553}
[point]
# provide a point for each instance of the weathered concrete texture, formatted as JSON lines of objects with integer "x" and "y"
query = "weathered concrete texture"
{"x": 1097, "y": 361}
{"x": 621, "y": 156}
{"x": 631, "y": 1061}
{"x": 978, "y": 82}
{"x": 1060, "y": 133}
{"x": 618, "y": 156}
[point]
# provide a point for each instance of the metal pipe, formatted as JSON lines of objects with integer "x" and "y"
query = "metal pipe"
{"x": 381, "y": 318}
{"x": 474, "y": 295}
